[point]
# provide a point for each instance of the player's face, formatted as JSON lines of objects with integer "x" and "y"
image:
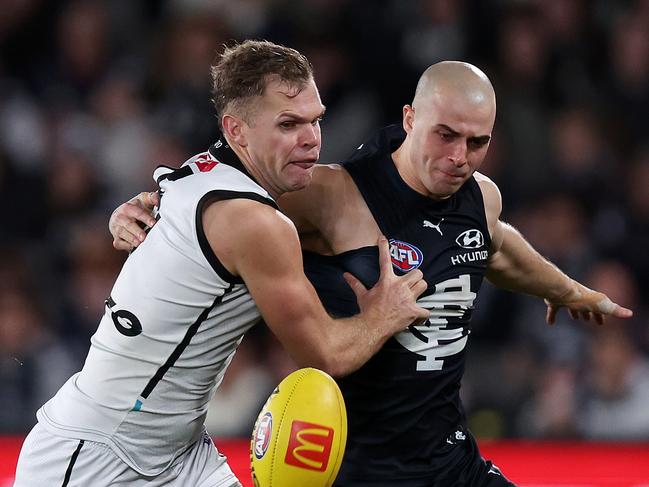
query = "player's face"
{"x": 284, "y": 136}
{"x": 449, "y": 137}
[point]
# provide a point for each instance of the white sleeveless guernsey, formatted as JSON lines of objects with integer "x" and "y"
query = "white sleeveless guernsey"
{"x": 172, "y": 324}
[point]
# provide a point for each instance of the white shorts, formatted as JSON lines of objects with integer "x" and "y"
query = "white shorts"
{"x": 53, "y": 461}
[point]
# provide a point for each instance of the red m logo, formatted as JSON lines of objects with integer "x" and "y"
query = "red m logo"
{"x": 309, "y": 446}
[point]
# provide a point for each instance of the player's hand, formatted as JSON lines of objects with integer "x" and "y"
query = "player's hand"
{"x": 123, "y": 224}
{"x": 582, "y": 302}
{"x": 393, "y": 299}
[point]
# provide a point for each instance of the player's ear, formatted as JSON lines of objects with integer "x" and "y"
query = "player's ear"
{"x": 234, "y": 129}
{"x": 408, "y": 118}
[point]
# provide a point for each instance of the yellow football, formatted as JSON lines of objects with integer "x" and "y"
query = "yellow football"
{"x": 300, "y": 434}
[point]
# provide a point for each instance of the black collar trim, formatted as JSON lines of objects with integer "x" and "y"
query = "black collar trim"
{"x": 223, "y": 153}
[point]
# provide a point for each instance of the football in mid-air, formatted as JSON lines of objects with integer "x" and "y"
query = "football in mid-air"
{"x": 300, "y": 434}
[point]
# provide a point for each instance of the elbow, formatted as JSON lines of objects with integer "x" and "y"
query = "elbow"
{"x": 337, "y": 365}
{"x": 327, "y": 355}
{"x": 326, "y": 362}
{"x": 335, "y": 368}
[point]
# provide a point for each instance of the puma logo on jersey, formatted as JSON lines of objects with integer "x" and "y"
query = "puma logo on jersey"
{"x": 495, "y": 470}
{"x": 405, "y": 256}
{"x": 428, "y": 224}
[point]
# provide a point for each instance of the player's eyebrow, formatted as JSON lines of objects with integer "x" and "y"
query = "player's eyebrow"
{"x": 300, "y": 119}
{"x": 447, "y": 128}
{"x": 477, "y": 139}
{"x": 480, "y": 139}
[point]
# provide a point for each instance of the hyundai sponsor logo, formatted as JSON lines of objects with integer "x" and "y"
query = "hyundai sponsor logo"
{"x": 470, "y": 239}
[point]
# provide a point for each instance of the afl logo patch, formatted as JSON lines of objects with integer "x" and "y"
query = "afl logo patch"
{"x": 471, "y": 239}
{"x": 405, "y": 256}
{"x": 262, "y": 435}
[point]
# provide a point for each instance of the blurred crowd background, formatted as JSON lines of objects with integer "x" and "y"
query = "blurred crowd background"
{"x": 95, "y": 94}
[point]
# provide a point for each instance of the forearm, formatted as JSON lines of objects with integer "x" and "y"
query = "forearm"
{"x": 517, "y": 266}
{"x": 351, "y": 342}
{"x": 337, "y": 346}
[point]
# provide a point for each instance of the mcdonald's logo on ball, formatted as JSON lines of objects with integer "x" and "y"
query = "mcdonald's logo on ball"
{"x": 306, "y": 442}
{"x": 309, "y": 446}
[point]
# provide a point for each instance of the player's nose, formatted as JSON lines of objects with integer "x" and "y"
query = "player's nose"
{"x": 458, "y": 153}
{"x": 310, "y": 136}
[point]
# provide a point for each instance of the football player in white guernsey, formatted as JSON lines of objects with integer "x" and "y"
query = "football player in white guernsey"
{"x": 219, "y": 255}
{"x": 447, "y": 132}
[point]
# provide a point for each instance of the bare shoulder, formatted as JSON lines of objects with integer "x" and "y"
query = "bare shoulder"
{"x": 239, "y": 228}
{"x": 487, "y": 185}
{"x": 244, "y": 213}
{"x": 492, "y": 199}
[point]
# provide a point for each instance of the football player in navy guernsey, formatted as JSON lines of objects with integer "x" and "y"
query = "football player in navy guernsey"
{"x": 219, "y": 254}
{"x": 417, "y": 184}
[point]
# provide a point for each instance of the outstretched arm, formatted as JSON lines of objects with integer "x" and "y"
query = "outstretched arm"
{"x": 515, "y": 265}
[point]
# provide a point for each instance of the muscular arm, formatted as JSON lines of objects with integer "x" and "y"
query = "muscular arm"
{"x": 261, "y": 245}
{"x": 515, "y": 265}
{"x": 330, "y": 214}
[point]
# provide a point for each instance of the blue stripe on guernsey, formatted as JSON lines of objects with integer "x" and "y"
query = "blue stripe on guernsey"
{"x": 138, "y": 405}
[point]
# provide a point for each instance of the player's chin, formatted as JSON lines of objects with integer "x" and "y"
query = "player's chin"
{"x": 443, "y": 191}
{"x": 451, "y": 185}
{"x": 299, "y": 175}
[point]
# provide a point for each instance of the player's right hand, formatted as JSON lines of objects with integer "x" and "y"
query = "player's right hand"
{"x": 584, "y": 303}
{"x": 123, "y": 224}
{"x": 393, "y": 299}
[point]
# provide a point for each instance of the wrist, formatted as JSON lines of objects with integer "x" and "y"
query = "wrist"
{"x": 378, "y": 325}
{"x": 567, "y": 292}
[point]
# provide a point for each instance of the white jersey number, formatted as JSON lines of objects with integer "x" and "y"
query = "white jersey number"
{"x": 451, "y": 299}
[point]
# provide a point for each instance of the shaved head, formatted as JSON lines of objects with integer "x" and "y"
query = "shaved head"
{"x": 457, "y": 79}
{"x": 448, "y": 128}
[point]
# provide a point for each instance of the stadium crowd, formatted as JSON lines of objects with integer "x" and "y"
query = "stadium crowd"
{"x": 94, "y": 94}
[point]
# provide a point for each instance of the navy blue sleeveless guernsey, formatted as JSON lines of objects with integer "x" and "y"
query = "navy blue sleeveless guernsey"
{"x": 404, "y": 409}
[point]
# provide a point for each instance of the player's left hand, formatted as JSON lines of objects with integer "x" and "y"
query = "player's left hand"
{"x": 123, "y": 225}
{"x": 582, "y": 302}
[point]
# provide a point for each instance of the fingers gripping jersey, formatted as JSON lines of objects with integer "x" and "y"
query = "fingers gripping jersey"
{"x": 172, "y": 323}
